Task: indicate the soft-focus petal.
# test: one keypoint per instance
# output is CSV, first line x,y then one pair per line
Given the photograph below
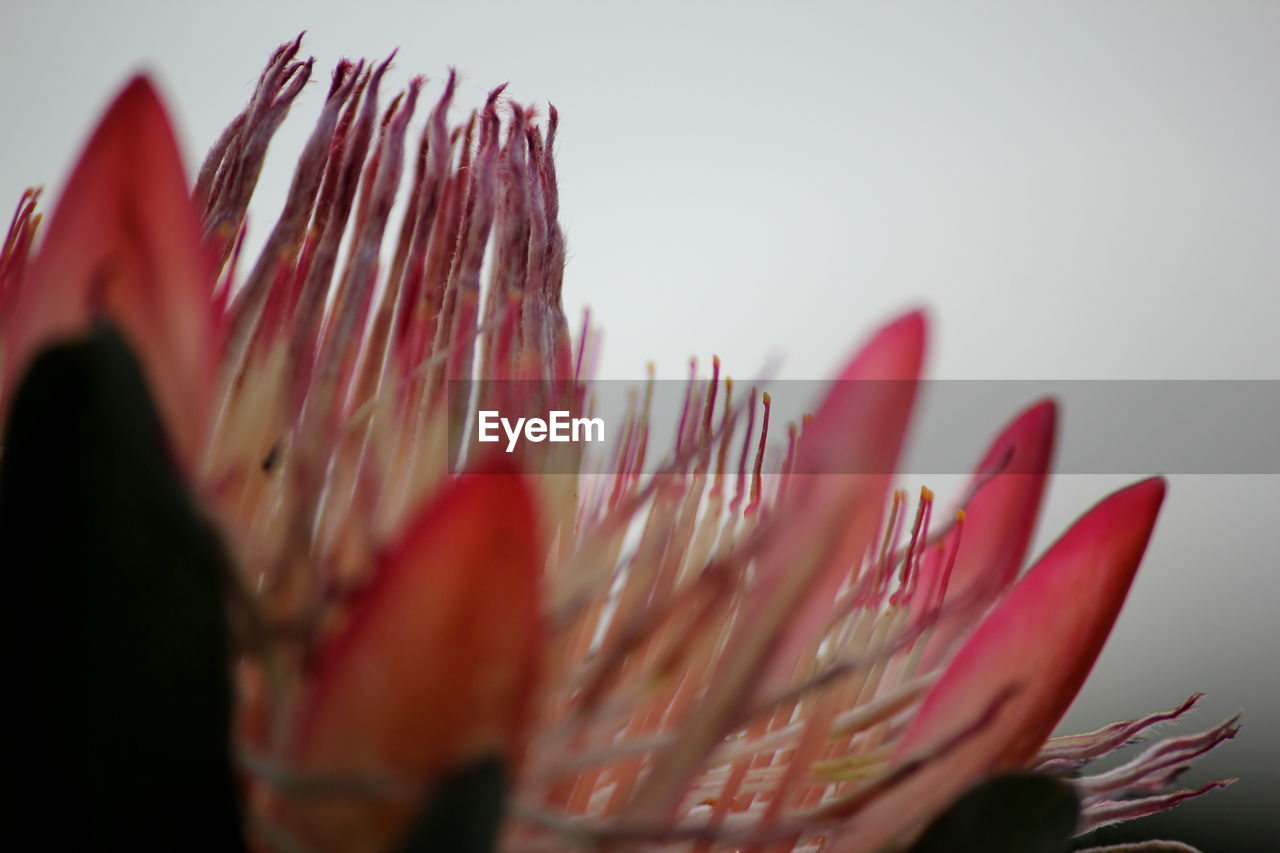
x,y
1042,640
843,470
843,437
123,245
437,663
831,514
1000,518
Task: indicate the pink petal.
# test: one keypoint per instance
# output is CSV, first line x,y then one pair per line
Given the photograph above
x,y
844,465
1042,639
436,666
123,244
843,437
1000,519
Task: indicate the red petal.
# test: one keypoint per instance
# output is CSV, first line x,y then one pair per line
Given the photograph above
x,y
124,243
1042,639
436,666
1000,518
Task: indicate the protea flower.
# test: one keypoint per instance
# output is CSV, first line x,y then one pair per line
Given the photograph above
x,y
719,655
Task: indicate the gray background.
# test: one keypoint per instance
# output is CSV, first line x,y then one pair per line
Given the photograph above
x,y
1076,191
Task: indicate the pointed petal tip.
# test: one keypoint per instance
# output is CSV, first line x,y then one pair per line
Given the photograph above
x,y
137,101
1134,508
1043,413
139,85
124,241
893,352
911,327
918,317
1152,489
1025,445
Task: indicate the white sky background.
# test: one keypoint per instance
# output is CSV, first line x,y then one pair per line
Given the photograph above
x,y
1090,190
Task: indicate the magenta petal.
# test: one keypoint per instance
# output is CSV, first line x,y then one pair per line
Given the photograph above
x,y
1000,518
845,464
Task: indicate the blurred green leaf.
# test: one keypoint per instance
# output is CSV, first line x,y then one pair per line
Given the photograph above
x,y
1015,813
115,657
463,814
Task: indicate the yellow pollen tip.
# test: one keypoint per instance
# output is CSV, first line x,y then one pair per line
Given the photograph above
x,y
926,494
960,516
765,398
